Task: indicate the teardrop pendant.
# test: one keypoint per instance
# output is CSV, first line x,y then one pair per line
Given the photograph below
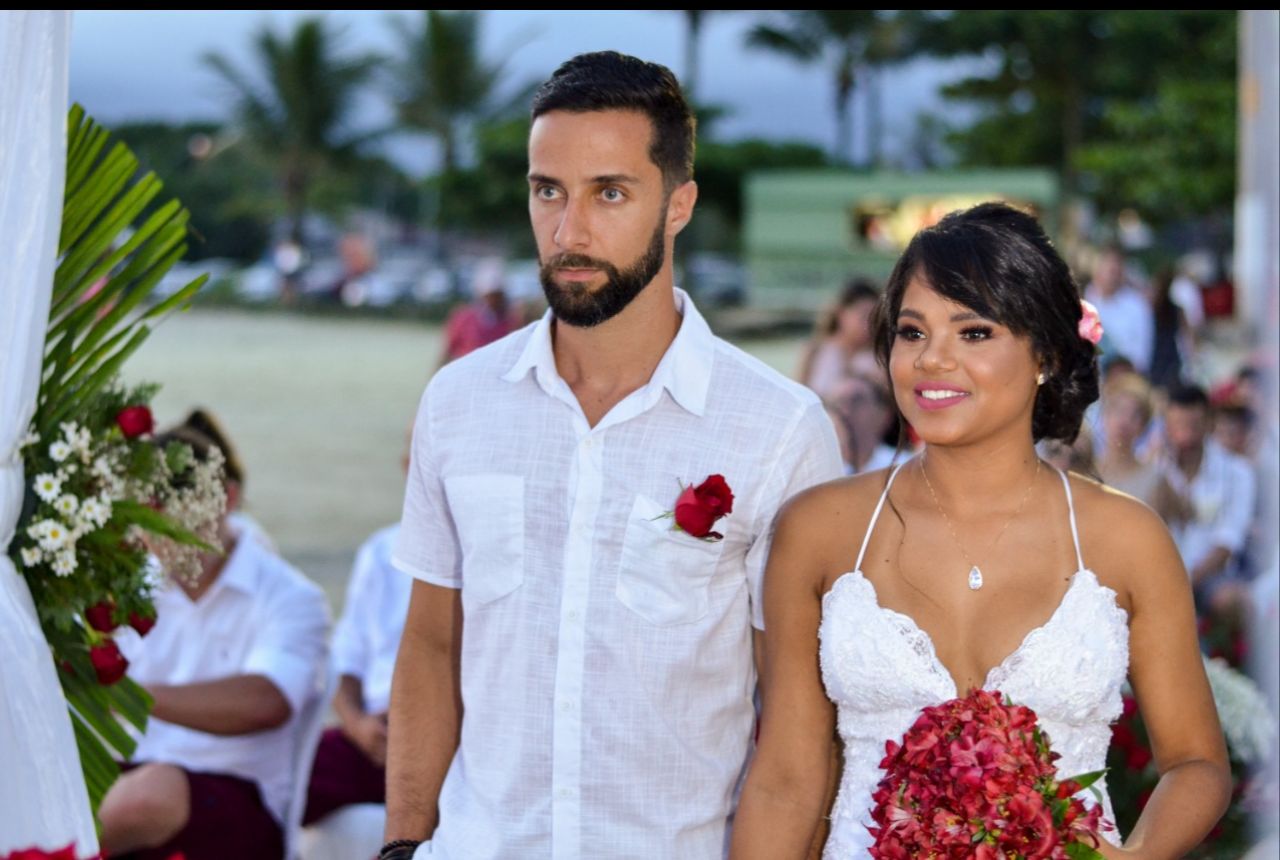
x,y
975,578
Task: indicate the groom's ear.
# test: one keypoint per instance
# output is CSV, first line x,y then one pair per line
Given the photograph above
x,y
680,206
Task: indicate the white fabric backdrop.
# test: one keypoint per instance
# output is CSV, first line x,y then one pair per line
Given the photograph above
x,y
43,802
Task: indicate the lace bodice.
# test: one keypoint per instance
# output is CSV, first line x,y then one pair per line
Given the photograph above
x,y
881,669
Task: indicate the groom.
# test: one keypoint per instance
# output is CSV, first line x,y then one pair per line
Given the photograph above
x,y
575,678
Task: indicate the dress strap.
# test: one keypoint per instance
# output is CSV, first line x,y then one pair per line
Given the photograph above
x,y
866,539
1071,513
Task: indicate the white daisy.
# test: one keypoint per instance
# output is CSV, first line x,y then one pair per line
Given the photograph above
x,y
48,487
53,535
59,451
31,556
81,442
67,505
65,564
96,511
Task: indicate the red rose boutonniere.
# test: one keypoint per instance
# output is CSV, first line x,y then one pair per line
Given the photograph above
x,y
698,508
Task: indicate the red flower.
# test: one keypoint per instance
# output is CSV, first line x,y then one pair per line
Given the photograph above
x,y
108,662
135,421
68,853
99,616
699,507
974,777
142,623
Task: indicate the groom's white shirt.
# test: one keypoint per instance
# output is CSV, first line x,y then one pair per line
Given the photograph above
x,y
607,673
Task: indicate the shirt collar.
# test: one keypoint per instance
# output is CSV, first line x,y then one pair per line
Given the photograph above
x,y
240,571
684,371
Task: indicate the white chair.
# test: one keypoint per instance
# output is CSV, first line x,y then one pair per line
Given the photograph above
x,y
306,740
350,833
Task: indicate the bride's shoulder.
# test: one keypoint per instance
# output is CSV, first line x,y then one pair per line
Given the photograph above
x,y
1122,535
830,513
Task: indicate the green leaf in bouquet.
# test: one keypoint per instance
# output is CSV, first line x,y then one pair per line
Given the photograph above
x,y
178,457
74,398
138,262
1082,851
155,522
1089,780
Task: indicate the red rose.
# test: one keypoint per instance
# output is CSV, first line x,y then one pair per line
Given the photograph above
x,y
99,616
108,662
142,623
699,507
135,421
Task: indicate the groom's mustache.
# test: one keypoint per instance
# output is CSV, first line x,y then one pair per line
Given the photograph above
x,y
575,261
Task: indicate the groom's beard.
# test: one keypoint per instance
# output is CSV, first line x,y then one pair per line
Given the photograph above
x,y
578,305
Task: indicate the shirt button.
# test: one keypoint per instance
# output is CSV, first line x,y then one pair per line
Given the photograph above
x,y
566,792
573,614
566,705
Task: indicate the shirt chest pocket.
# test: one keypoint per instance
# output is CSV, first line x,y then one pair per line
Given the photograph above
x,y
488,512
664,575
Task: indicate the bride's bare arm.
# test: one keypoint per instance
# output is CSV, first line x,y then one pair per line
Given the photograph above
x,y
787,789
1167,674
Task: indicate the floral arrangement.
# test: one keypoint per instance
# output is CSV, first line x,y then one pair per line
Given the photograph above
x,y
97,485
98,488
975,777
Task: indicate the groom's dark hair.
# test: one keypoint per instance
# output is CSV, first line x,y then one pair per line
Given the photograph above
x,y
607,80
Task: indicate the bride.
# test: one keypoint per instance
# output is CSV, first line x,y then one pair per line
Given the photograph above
x,y
974,564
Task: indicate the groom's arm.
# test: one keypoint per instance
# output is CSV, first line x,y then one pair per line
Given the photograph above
x,y
426,711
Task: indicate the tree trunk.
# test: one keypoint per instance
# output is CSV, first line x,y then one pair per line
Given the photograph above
x,y
844,118
692,35
875,126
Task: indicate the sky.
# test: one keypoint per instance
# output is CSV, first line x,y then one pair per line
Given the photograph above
x,y
130,66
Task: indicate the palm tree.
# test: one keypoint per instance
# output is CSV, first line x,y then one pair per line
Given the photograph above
x,y
441,84
300,117
810,35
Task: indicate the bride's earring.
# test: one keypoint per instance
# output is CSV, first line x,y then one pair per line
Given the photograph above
x,y
1040,378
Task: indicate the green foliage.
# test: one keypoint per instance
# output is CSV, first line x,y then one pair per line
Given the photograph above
x,y
1171,157
227,186
117,242
1131,96
442,85
98,316
299,120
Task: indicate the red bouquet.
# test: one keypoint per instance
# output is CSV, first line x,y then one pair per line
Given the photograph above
x,y
974,777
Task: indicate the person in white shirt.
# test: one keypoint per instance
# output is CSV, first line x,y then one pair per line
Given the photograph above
x,y
233,657
575,678
1216,486
350,765
1125,312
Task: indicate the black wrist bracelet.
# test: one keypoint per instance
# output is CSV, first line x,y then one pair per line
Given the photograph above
x,y
399,849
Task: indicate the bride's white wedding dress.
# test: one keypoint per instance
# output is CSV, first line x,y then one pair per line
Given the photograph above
x,y
881,669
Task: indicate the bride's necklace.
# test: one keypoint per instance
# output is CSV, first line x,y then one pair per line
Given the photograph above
x,y
975,573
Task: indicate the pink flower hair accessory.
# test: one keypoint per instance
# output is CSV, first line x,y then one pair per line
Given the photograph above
x,y
1090,325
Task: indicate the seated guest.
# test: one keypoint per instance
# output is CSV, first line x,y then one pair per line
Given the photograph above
x,y
1216,486
862,410
237,649
350,763
1126,413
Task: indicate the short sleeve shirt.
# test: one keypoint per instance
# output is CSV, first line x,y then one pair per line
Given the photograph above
x,y
607,676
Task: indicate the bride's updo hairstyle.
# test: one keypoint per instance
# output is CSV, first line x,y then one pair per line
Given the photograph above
x,y
998,262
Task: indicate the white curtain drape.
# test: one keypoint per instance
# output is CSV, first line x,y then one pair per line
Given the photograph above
x,y
43,802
